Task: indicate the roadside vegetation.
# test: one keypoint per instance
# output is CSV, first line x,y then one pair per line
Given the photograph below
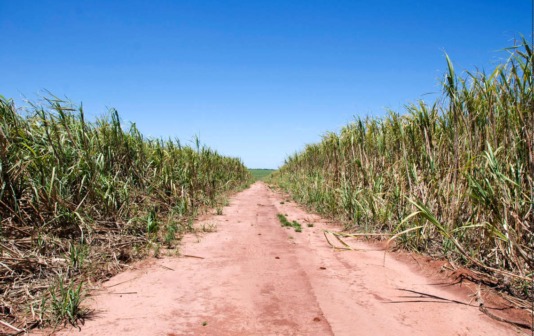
x,y
261,174
453,179
79,200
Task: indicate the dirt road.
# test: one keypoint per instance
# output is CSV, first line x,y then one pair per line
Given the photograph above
x,y
254,277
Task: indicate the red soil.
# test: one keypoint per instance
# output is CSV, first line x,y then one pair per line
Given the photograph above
x,y
254,277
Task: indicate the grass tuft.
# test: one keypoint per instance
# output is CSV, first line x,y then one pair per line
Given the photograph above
x,y
286,223
66,302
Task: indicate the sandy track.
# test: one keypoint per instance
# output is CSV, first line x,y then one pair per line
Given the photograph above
x,y
257,278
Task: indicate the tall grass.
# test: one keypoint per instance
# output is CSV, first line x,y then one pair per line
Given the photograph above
x,y
460,169
79,198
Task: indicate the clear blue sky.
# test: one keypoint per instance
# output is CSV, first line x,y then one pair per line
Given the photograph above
x,y
253,79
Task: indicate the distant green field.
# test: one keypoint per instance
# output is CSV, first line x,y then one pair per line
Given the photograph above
x,y
260,174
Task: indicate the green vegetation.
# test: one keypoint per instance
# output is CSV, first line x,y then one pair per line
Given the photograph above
x,y
285,223
79,199
260,174
66,303
453,179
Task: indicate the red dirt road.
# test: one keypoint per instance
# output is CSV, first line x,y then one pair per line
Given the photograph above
x,y
255,277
